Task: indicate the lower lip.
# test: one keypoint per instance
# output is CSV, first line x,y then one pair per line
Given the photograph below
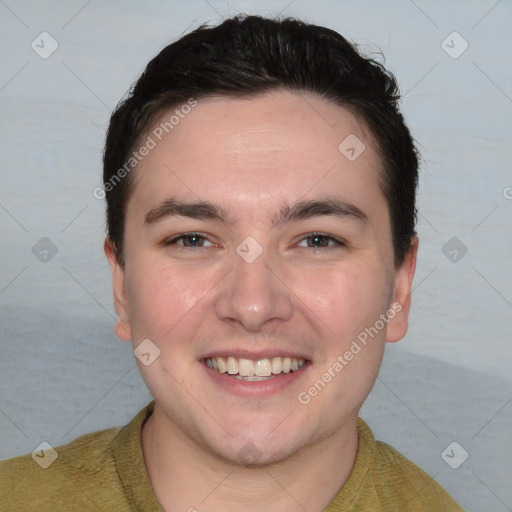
x,y
255,388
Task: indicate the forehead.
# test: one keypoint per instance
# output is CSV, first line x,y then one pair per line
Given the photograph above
x,y
257,151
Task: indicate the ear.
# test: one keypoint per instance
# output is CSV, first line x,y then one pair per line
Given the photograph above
x,y
122,328
401,303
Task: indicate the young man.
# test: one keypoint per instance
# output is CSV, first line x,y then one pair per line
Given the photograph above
x,y
260,185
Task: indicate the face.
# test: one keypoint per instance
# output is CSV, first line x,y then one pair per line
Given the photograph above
x,y
254,245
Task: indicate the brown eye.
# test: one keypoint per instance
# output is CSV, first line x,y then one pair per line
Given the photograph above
x,y
321,241
189,240
193,240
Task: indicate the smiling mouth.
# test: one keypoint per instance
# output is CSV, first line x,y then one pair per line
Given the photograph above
x,y
251,370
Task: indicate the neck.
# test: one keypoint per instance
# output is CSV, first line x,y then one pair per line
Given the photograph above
x,y
186,477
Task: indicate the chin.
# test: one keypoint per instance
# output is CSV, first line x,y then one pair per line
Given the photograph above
x,y
252,455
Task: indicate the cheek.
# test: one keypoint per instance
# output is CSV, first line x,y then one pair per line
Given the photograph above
x,y
345,300
161,297
347,303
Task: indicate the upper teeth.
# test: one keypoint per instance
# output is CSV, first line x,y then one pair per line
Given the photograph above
x,y
249,368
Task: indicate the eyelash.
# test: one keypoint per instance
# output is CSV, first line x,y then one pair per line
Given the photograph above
x,y
173,241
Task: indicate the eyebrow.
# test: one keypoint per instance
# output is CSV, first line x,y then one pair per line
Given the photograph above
x,y
300,210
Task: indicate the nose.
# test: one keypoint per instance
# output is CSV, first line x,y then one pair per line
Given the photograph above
x,y
254,294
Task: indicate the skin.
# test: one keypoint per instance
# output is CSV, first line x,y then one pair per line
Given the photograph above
x,y
251,156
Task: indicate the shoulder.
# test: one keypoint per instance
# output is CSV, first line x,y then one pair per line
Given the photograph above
x,y
401,483
60,478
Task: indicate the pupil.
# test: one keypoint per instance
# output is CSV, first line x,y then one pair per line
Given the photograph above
x,y
317,239
191,239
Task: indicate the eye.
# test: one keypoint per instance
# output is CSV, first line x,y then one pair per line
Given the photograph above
x,y
322,241
190,241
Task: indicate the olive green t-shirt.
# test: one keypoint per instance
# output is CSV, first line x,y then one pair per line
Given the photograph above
x,y
105,471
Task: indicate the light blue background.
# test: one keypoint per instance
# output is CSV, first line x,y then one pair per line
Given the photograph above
x,y
62,371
